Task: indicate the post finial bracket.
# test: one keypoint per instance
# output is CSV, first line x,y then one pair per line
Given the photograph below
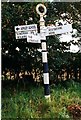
x,y
38,9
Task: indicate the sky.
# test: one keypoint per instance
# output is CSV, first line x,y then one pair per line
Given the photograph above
x,y
68,37
64,0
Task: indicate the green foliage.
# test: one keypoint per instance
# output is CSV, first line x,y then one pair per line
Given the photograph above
x,y
32,104
14,14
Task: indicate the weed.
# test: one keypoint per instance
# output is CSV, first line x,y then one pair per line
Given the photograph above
x,y
32,104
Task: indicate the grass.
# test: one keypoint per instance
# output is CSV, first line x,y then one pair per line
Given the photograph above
x,y
30,103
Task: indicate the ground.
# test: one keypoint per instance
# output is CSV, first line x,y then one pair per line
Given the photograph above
x,y
30,102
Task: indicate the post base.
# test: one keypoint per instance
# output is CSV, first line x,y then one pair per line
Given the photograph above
x,y
48,99
47,96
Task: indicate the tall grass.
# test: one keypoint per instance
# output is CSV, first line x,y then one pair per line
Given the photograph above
x,y
30,103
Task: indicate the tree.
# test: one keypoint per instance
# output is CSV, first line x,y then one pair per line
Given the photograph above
x,y
14,14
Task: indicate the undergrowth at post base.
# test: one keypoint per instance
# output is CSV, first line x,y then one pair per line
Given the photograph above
x,y
30,103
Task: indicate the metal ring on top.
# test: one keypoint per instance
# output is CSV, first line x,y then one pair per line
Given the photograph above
x,y
37,9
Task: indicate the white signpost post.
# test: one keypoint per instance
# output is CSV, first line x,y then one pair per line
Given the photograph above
x,y
30,33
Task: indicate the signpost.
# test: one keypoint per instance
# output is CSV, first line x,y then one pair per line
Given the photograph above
x,y
30,33
54,30
22,30
44,51
33,38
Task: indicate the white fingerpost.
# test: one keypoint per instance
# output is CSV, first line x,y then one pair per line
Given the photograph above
x,y
30,32
44,50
